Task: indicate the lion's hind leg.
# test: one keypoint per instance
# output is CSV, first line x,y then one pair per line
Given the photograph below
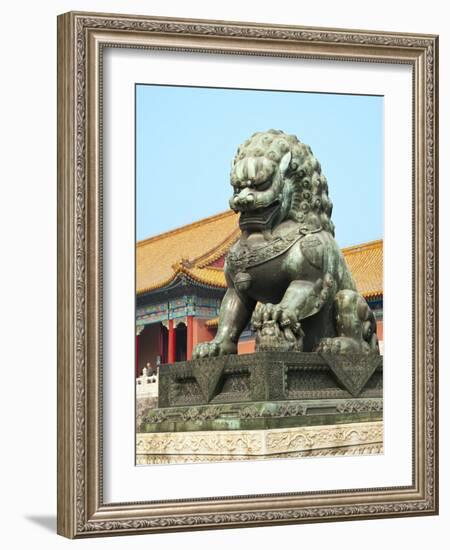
x,y
355,326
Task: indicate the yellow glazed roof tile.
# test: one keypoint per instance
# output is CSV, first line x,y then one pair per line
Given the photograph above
x,y
211,276
157,256
366,264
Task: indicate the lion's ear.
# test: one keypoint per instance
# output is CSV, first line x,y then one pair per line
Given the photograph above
x,y
284,163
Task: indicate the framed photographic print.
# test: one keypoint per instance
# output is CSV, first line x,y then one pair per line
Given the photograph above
x,y
247,279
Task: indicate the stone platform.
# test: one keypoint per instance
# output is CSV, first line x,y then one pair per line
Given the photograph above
x,y
352,439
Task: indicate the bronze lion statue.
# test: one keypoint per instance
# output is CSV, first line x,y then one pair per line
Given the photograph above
x,y
286,274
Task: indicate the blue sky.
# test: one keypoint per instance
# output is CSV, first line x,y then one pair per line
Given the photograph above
x,y
186,138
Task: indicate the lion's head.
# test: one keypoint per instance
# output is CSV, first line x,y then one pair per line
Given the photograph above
x,y
276,177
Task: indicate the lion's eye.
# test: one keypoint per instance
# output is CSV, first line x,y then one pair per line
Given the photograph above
x,y
264,185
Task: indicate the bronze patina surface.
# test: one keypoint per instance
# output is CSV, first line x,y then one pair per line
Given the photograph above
x,y
262,415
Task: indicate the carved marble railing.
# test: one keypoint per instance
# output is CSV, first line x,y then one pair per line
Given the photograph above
x,y
147,384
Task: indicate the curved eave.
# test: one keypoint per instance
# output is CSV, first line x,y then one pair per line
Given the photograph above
x,y
203,284
157,286
373,294
213,277
192,274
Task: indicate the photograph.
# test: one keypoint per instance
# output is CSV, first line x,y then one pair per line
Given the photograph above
x,y
259,275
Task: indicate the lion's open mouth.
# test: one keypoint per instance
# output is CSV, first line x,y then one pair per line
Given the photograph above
x,y
259,218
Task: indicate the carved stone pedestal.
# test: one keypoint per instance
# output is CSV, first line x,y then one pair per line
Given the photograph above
x,y
270,376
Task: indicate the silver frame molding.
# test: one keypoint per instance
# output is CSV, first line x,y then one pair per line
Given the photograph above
x,y
81,37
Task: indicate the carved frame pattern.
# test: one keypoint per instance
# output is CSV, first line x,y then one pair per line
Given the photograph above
x,y
81,36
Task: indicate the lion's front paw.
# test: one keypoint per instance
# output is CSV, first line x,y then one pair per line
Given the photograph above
x,y
213,349
277,327
284,316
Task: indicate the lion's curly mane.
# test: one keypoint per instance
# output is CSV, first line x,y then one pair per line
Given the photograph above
x,y
309,199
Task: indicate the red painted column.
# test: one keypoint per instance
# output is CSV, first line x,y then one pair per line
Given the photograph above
x,y
190,336
161,343
172,343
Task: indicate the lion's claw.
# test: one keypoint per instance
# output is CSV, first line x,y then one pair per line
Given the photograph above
x,y
213,349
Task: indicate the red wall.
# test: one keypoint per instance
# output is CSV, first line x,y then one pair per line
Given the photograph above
x,y
247,346
380,330
201,332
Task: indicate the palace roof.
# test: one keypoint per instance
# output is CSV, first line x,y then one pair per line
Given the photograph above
x,y
196,251
186,250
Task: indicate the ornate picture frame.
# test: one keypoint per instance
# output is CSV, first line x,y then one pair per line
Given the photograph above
x,y
82,38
